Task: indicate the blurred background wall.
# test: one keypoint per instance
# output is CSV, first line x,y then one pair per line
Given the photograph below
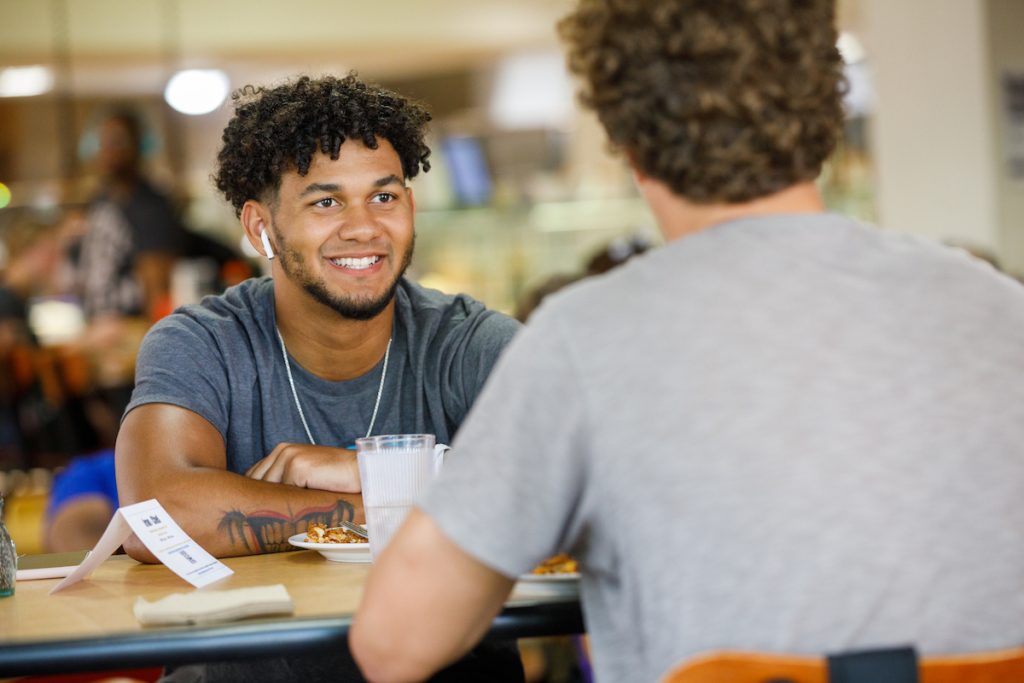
x,y
523,186
948,125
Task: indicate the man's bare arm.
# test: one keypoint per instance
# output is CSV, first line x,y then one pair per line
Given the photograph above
x,y
78,523
426,604
176,456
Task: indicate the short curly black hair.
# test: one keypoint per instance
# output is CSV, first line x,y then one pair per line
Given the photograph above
x,y
281,128
722,100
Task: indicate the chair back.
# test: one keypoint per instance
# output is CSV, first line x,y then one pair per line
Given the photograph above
x,y
1002,666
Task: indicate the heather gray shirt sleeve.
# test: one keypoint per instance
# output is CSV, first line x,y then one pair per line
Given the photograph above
x,y
470,355
179,364
518,462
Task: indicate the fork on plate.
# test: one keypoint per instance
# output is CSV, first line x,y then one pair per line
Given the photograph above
x,y
357,529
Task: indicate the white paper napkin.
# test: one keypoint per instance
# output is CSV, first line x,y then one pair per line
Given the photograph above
x,y
209,607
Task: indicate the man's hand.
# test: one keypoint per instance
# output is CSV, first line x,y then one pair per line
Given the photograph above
x,y
426,603
311,467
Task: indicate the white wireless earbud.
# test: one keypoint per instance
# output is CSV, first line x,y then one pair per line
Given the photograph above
x,y
266,245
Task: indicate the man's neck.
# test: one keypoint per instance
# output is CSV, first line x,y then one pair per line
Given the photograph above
x,y
678,216
329,346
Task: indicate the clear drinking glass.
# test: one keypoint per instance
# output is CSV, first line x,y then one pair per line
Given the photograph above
x,y
395,470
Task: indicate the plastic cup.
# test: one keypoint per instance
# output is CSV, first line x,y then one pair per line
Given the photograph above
x,y
395,470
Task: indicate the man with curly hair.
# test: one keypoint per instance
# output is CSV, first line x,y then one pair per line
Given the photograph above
x,y
247,405
783,430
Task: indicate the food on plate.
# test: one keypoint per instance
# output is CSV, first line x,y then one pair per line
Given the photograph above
x,y
559,564
318,533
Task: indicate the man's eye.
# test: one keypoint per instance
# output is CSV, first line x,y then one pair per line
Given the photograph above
x,y
326,202
384,197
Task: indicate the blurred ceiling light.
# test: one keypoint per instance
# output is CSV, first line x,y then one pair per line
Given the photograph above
x,y
25,81
850,48
55,321
859,99
532,90
860,92
197,91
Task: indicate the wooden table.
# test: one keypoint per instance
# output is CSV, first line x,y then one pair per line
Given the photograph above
x,y
91,626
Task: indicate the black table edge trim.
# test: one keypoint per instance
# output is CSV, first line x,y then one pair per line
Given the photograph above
x,y
255,639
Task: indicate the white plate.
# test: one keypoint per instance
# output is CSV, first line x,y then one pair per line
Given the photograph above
x,y
546,585
335,552
561,577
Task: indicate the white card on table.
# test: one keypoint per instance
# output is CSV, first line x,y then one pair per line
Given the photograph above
x,y
162,536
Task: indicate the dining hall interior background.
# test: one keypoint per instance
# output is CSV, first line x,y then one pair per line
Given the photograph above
x,y
523,192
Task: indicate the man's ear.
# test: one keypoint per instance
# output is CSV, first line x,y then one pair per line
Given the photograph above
x,y
639,177
255,218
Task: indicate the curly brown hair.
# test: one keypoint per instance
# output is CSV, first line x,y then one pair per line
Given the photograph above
x,y
722,100
281,128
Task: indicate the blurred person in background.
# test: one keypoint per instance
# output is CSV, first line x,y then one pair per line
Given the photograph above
x,y
533,297
122,254
783,430
30,253
80,503
247,405
45,418
615,253
32,256
42,421
133,234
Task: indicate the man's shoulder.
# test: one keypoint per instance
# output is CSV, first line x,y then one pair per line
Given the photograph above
x,y
437,321
606,298
418,298
245,306
425,305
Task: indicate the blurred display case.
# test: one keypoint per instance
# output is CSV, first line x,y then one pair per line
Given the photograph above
x,y
499,254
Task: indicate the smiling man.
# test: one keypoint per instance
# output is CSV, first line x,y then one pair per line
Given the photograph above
x,y
247,404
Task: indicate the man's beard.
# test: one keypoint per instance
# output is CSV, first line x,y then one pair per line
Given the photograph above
x,y
351,308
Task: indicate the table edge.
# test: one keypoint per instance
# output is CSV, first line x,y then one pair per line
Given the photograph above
x,y
245,640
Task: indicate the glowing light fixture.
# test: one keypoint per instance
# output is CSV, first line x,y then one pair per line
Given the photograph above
x,y
197,91
5,196
55,321
532,90
850,48
860,94
25,81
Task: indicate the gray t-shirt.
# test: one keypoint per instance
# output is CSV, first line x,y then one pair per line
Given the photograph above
x,y
792,433
221,359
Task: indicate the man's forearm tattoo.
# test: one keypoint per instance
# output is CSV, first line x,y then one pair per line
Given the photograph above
x,y
267,531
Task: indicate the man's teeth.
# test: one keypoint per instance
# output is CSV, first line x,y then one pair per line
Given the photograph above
x,y
356,263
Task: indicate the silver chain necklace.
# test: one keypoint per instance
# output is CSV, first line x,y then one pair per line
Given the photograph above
x,y
295,394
